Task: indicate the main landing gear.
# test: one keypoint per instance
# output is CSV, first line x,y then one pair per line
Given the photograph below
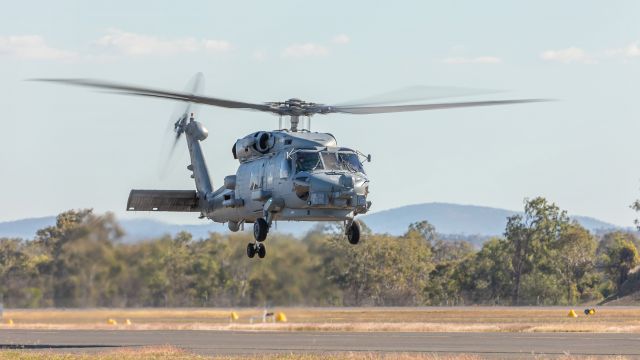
x,y
352,231
260,231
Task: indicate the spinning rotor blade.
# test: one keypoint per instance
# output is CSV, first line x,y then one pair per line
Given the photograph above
x,y
158,93
421,107
296,107
417,93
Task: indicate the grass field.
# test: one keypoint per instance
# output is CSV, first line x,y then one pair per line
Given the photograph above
x,y
429,319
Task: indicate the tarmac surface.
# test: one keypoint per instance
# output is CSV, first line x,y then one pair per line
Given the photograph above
x,y
494,345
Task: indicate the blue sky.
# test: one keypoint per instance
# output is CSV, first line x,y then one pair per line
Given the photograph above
x,y
66,147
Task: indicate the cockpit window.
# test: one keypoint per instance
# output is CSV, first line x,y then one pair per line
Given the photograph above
x,y
325,160
350,162
330,161
308,161
341,161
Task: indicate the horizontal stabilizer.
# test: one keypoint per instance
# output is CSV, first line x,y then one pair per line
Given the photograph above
x,y
163,200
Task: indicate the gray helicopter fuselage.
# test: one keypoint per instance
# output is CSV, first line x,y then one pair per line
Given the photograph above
x,y
299,176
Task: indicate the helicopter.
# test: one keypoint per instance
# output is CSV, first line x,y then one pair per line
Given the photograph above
x,y
289,174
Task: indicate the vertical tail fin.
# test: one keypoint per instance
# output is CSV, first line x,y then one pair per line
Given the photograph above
x,y
196,132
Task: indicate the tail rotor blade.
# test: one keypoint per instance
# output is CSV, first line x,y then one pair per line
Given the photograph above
x,y
178,120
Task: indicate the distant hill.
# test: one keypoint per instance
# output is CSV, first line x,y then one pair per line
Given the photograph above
x,y
457,219
25,228
450,219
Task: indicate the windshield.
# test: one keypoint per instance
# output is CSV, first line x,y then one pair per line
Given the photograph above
x,y
342,161
324,160
351,162
308,161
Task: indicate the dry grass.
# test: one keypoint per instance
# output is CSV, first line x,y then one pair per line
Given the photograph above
x,y
168,352
431,319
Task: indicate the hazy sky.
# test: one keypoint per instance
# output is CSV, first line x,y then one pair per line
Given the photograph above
x,y
64,147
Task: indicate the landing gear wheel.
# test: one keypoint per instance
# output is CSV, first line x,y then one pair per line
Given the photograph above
x,y
260,229
353,233
251,250
262,251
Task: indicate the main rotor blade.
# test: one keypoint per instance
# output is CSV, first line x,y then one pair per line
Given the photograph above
x,y
421,107
158,93
417,93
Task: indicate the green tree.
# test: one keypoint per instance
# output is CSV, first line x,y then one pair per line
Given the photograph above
x,y
422,229
205,265
486,278
576,254
80,260
286,276
444,287
531,237
380,270
618,257
15,273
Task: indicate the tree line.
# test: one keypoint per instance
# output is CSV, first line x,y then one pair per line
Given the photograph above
x,y
543,258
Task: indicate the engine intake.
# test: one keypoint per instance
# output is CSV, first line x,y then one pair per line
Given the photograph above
x,y
254,146
264,142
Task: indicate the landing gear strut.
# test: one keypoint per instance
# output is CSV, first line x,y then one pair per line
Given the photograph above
x,y
353,232
260,231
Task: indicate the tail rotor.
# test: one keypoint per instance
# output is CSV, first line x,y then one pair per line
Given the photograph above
x,y
179,119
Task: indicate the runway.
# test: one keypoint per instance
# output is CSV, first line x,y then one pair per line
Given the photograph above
x,y
502,345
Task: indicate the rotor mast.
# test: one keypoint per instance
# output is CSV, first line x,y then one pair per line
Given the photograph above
x,y
295,119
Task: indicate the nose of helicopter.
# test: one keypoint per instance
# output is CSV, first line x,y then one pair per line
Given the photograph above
x,y
337,182
336,190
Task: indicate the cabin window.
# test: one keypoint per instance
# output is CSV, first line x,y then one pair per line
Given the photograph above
x,y
256,178
285,168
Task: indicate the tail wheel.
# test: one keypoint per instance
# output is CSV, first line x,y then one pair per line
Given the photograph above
x,y
353,233
251,250
262,251
260,229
